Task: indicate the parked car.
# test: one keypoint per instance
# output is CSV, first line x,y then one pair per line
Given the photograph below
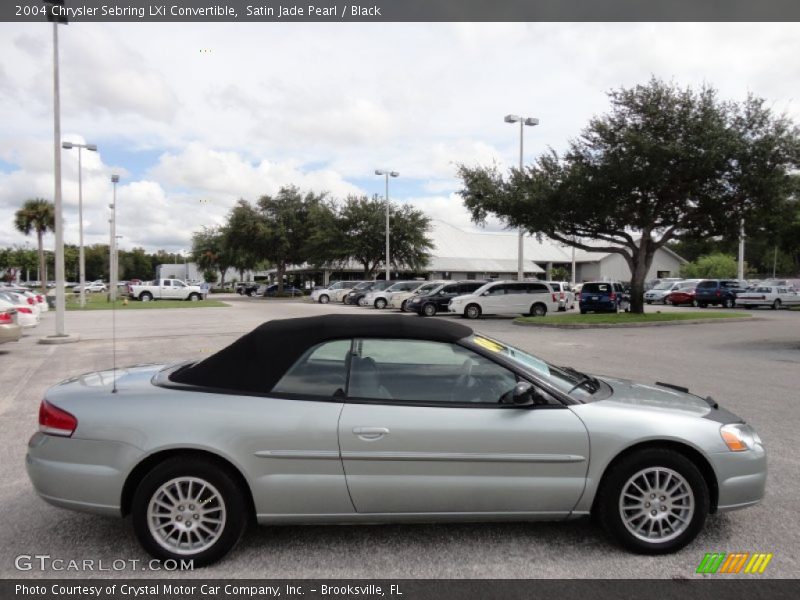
x,y
649,285
773,296
682,296
91,286
271,290
247,288
380,298
166,289
719,291
341,293
400,299
32,298
566,297
659,293
507,298
603,296
372,418
357,295
323,295
438,299
27,315
10,330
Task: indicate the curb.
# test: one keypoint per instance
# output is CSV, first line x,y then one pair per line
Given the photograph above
x,y
627,325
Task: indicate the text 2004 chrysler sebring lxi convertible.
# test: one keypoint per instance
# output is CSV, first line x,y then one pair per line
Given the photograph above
x,y
384,418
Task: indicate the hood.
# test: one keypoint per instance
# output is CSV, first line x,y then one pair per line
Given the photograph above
x,y
655,398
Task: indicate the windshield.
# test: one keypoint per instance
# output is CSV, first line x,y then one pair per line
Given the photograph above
x,y
424,289
381,285
434,289
664,285
562,378
362,285
338,285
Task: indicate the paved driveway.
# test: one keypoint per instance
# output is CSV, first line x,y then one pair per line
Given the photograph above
x,y
753,368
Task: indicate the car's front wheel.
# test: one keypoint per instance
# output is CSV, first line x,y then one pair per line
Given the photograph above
x,y
776,305
324,299
189,509
654,501
429,310
473,311
380,303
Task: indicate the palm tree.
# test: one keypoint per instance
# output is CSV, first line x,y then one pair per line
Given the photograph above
x,y
37,215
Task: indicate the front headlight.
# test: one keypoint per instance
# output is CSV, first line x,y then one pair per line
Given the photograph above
x,y
739,437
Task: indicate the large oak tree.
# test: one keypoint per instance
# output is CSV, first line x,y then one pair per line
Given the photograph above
x,y
664,163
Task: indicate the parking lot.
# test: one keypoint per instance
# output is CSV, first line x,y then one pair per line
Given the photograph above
x,y
750,367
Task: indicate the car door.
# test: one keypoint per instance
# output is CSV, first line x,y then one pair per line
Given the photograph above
x,y
493,299
423,431
444,295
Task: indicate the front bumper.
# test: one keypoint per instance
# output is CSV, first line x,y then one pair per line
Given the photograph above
x,y
741,476
83,475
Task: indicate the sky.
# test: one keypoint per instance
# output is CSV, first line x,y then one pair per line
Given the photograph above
x,y
193,117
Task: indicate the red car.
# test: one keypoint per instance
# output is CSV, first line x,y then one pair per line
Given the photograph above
x,y
681,296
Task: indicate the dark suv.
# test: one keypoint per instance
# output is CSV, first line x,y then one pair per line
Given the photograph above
x,y
603,296
439,298
718,291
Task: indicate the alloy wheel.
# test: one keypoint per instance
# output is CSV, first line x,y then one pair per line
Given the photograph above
x,y
656,504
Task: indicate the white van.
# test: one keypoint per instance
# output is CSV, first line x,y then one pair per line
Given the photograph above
x,y
507,298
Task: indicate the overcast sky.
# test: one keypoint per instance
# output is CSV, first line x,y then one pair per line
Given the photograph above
x,y
194,116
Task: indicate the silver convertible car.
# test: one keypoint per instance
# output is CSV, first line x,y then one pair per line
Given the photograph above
x,y
363,419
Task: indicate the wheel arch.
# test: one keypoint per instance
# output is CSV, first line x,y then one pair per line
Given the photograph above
x,y
148,463
694,455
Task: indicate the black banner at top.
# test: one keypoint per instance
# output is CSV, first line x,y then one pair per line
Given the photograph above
x,y
382,11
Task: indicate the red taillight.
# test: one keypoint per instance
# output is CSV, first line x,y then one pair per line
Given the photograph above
x,y
39,299
561,295
719,293
5,318
555,297
25,310
55,421
30,300
613,296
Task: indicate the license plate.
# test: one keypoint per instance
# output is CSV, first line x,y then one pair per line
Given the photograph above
x,y
595,297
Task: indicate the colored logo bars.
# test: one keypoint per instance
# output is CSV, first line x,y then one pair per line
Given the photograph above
x,y
737,562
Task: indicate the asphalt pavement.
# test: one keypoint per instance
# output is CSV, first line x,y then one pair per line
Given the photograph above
x,y
751,368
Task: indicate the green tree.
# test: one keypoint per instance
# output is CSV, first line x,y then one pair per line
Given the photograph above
x,y
210,275
663,164
211,250
712,266
37,215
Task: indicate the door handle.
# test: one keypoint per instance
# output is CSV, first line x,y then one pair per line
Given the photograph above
x,y
370,433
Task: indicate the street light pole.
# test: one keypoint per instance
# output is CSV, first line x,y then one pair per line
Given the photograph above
x,y
59,254
740,272
81,255
112,265
531,122
387,174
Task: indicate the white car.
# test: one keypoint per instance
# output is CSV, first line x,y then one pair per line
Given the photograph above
x,y
325,295
774,296
398,300
566,297
535,298
26,314
381,298
91,286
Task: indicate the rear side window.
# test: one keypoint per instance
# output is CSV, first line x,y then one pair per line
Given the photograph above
x,y
707,284
516,288
321,371
468,288
537,288
450,289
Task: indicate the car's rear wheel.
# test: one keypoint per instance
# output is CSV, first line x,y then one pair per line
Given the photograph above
x,y
380,303
694,303
777,304
538,310
403,306
324,299
146,297
472,311
194,297
728,303
429,310
701,304
189,509
653,501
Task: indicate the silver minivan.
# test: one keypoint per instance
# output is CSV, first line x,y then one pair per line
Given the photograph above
x,y
535,298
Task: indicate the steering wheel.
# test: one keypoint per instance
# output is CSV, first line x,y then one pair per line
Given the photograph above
x,y
464,383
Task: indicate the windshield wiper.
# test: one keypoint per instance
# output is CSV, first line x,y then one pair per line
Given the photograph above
x,y
583,379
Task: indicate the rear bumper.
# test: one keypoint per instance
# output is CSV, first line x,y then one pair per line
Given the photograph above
x,y
741,477
10,332
83,475
598,306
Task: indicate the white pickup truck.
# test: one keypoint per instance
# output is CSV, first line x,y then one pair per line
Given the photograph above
x,y
165,289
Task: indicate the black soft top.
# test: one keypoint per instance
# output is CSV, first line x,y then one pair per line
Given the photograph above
x,y
257,360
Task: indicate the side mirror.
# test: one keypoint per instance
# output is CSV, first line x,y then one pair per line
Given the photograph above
x,y
523,394
485,294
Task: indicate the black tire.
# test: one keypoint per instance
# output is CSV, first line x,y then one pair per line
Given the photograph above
x,y
429,310
702,304
607,504
194,297
403,306
472,311
583,311
251,293
233,502
538,310
777,304
380,303
324,299
694,303
145,296
727,303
